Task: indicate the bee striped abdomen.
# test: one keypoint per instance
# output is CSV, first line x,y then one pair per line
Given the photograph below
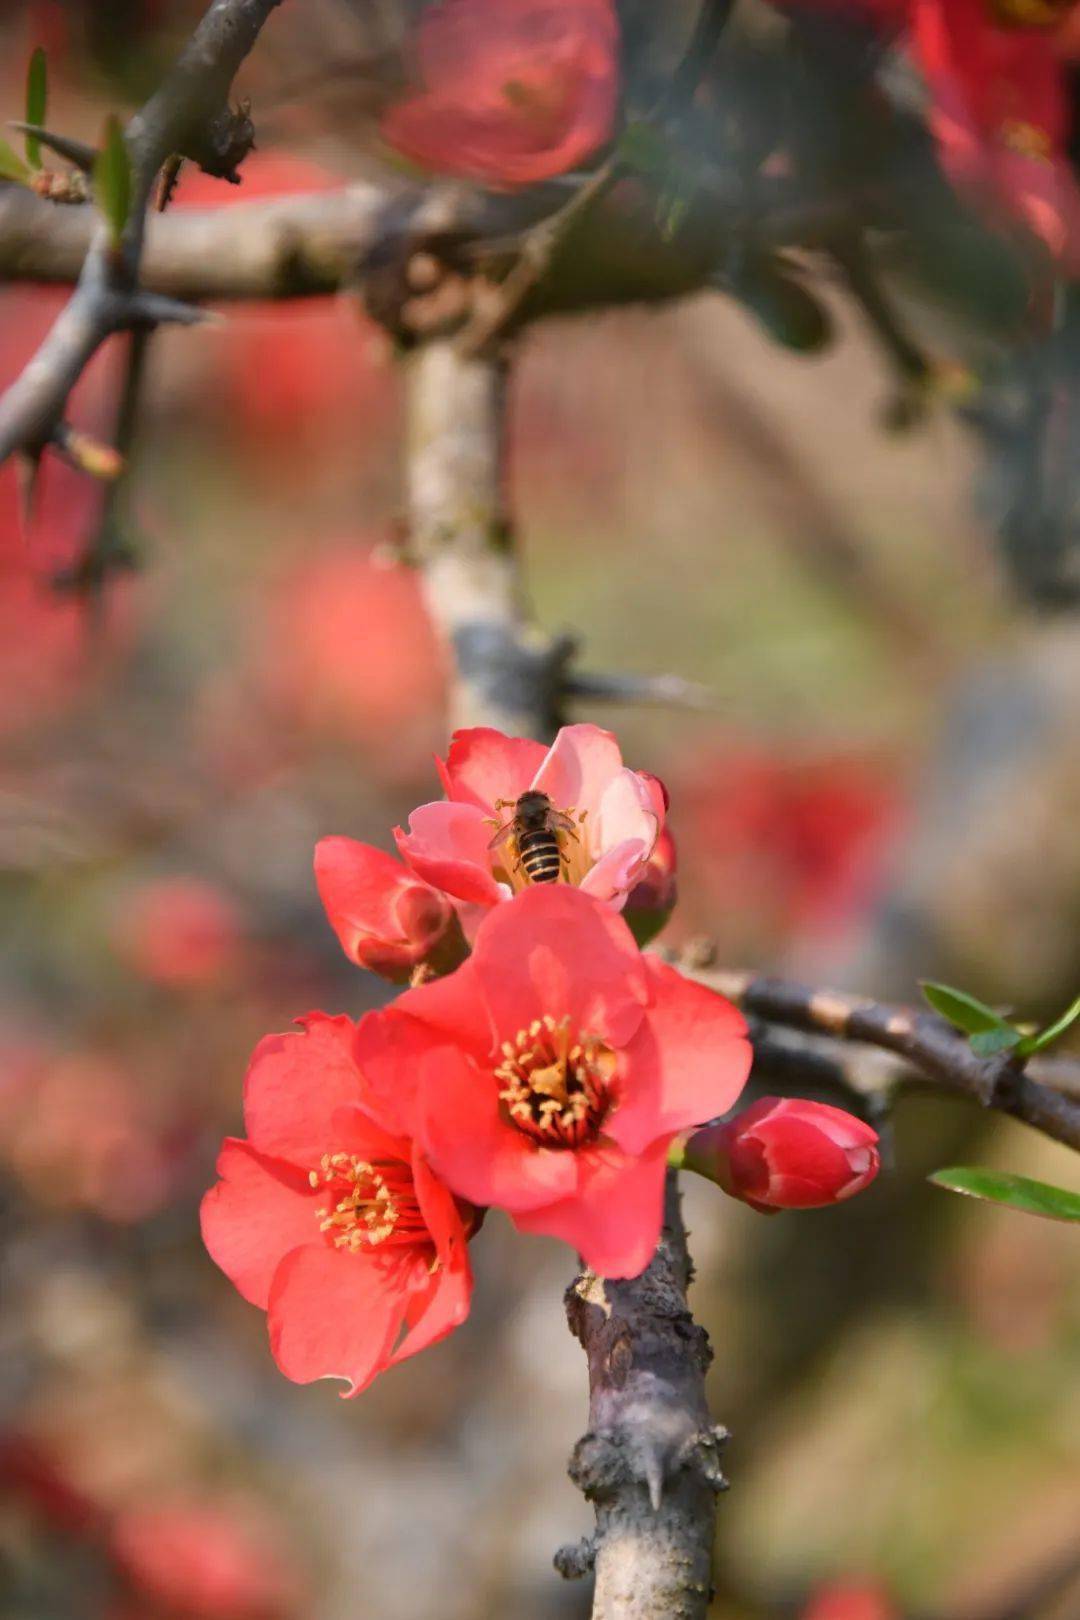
x,y
539,855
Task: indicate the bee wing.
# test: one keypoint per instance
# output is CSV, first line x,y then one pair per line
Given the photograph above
x,y
563,822
504,834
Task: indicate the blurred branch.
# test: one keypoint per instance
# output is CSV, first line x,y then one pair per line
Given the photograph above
x,y
650,1460
187,114
1050,1103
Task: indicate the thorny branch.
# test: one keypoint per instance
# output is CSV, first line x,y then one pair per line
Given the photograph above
x,y
1048,1098
188,114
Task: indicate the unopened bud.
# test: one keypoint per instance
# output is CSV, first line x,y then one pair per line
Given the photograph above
x,y
387,919
787,1153
652,899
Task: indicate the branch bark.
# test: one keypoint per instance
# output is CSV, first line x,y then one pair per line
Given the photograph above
x,y
1047,1099
650,1460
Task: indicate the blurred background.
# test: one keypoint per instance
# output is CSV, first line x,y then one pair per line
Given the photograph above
x,y
887,787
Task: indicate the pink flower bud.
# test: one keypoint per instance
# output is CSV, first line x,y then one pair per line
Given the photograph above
x,y
652,899
387,919
787,1153
851,1600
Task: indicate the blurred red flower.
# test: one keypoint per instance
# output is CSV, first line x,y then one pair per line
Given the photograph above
x,y
550,1073
515,91
179,932
331,1221
851,1600
188,1560
296,373
787,1153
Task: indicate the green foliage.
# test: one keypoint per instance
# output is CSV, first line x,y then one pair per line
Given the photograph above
x,y
37,102
112,178
12,166
989,1031
1015,1192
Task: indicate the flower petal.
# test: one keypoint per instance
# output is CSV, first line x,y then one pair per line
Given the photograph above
x,y
337,1315
294,1085
436,1310
555,950
687,1063
616,872
257,1213
453,1006
475,1151
614,1219
448,844
627,810
579,766
483,765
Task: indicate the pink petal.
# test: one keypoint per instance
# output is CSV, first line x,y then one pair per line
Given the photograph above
x,y
448,845
553,950
436,1310
258,1212
473,1149
483,765
686,1064
580,765
616,872
615,1218
294,1085
336,1315
626,811
451,1008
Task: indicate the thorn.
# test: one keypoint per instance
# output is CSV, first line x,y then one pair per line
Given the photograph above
x,y
665,690
154,309
87,454
72,151
654,1479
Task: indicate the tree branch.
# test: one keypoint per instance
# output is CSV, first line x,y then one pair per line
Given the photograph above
x,y
188,114
1048,1099
650,1461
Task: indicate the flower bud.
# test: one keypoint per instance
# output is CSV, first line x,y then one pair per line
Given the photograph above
x,y
851,1600
787,1153
387,919
652,899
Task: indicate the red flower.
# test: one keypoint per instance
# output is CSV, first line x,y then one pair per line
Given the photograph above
x,y
516,91
192,1559
851,1600
386,919
179,932
549,1074
1001,110
331,1222
607,818
786,1153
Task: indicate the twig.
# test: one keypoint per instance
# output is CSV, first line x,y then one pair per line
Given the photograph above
x,y
187,114
1048,1103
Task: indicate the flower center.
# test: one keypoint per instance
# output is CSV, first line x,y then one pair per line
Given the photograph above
x,y
1027,139
556,1084
368,1204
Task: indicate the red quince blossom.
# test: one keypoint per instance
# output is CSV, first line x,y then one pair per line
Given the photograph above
x,y
616,816
387,919
514,92
1001,111
179,932
550,1073
851,1600
330,1220
787,1153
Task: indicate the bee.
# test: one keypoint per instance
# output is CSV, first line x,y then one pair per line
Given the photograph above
x,y
535,827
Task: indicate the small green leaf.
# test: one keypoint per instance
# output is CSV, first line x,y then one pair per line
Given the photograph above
x,y
12,166
989,1042
37,103
965,1012
644,148
1015,1192
112,178
1046,1037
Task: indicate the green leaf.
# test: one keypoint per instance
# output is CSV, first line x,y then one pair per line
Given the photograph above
x,y
112,178
645,148
12,166
1015,1192
989,1042
37,102
1046,1037
965,1012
